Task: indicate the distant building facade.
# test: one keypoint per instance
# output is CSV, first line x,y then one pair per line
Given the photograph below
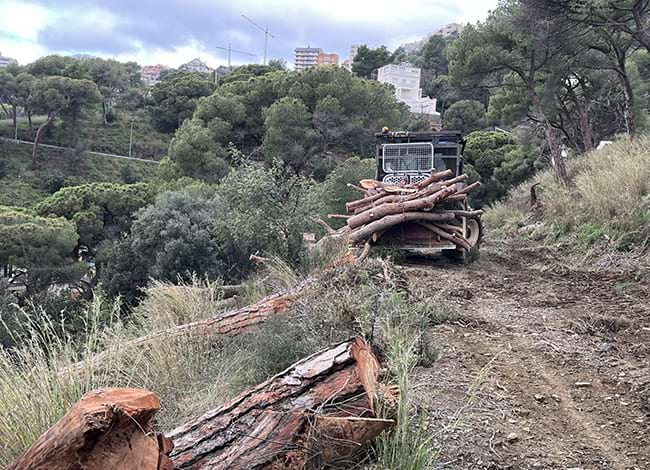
x,y
451,29
328,59
195,65
405,78
150,74
306,57
4,61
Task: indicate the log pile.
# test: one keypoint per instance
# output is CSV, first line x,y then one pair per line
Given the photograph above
x,y
425,203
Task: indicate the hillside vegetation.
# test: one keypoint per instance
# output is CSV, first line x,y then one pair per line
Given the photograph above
x,y
24,187
607,202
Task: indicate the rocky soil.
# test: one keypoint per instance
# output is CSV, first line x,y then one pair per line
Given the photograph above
x,y
548,367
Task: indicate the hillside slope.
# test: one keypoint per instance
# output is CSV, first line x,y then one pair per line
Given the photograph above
x,y
23,187
606,206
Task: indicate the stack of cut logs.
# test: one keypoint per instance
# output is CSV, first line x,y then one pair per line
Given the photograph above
x,y
384,206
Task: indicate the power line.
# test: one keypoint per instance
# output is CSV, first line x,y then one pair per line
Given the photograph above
x,y
266,32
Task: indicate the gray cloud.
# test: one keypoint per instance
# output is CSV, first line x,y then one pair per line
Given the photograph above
x,y
167,24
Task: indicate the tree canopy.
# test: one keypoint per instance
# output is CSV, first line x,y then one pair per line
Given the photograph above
x,y
174,99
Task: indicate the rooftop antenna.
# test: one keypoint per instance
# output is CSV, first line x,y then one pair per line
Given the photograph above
x,y
230,49
266,32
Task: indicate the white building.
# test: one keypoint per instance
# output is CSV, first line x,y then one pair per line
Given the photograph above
x,y
406,80
4,61
306,57
195,65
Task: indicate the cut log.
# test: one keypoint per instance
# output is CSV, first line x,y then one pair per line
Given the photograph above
x,y
318,412
459,213
351,206
384,210
450,228
365,232
358,188
469,187
106,429
432,178
227,324
458,240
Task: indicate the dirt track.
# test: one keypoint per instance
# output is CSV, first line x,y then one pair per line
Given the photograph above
x,y
549,366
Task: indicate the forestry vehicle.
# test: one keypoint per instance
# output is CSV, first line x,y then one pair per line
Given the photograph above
x,y
406,158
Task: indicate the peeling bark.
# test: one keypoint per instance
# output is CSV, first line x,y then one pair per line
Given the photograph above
x,y
318,411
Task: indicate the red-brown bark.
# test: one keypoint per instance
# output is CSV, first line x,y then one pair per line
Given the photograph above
x,y
106,429
318,411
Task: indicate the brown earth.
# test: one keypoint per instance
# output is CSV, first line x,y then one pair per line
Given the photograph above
x,y
549,366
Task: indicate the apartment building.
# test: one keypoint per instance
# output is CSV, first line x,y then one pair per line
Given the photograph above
x,y
150,74
405,78
306,57
328,59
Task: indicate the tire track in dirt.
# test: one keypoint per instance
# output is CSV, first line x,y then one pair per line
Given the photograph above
x,y
539,330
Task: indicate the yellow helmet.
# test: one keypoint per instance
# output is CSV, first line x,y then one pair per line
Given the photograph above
x,y
384,129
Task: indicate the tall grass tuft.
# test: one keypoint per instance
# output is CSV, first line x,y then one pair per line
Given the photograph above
x,y
409,445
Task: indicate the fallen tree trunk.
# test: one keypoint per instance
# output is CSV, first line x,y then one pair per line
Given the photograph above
x,y
320,411
106,429
362,233
228,324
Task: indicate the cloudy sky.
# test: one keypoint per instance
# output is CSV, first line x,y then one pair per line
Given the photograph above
x,y
172,32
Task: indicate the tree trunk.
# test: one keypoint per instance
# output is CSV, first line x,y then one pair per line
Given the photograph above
x,y
319,412
15,117
37,139
104,120
628,110
550,134
108,429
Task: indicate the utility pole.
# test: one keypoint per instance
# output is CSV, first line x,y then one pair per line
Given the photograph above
x,y
131,137
266,32
229,49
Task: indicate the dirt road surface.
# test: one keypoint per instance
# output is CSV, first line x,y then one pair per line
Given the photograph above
x,y
548,367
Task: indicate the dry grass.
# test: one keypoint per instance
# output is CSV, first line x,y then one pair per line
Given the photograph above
x,y
609,194
195,373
